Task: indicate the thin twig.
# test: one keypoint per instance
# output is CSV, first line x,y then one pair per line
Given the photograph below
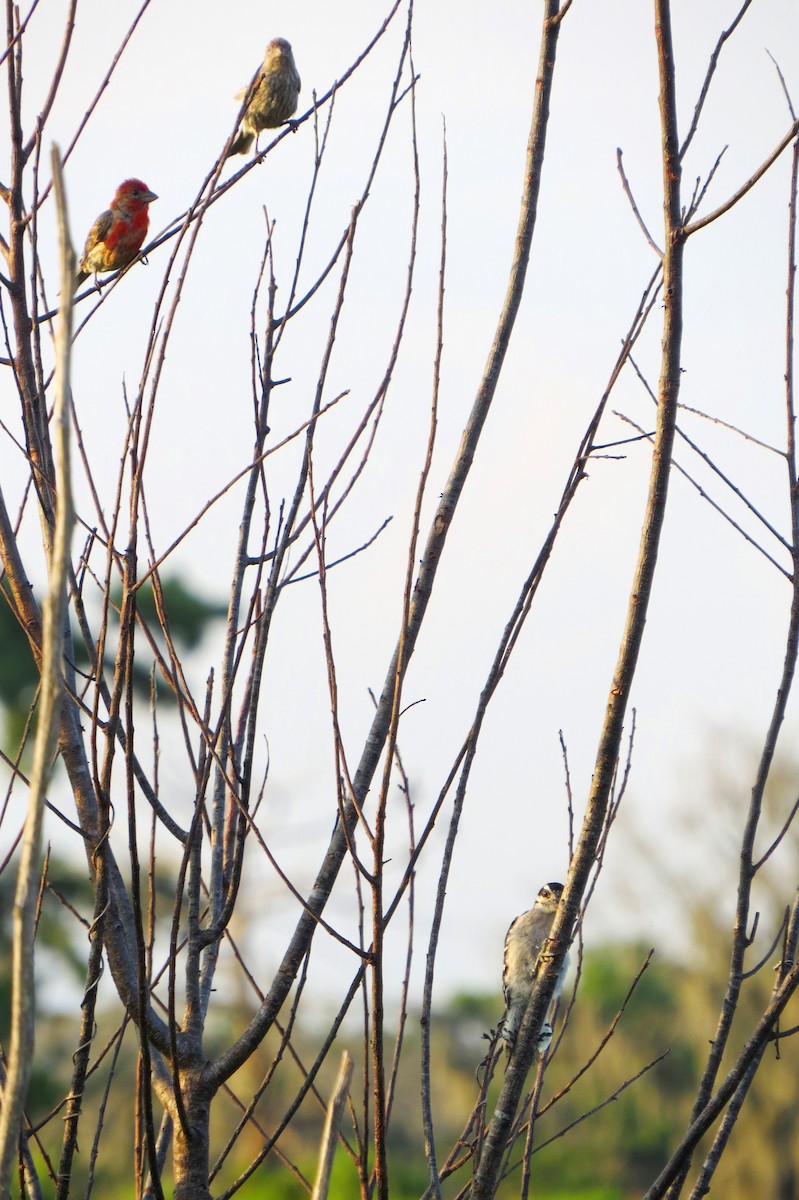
x,y
695,226
332,1124
487,1174
628,193
22,993
713,504
711,69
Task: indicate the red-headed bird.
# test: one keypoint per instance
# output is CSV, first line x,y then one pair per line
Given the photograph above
x,y
274,99
117,235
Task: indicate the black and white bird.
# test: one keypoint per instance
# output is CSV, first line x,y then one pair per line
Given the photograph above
x,y
523,945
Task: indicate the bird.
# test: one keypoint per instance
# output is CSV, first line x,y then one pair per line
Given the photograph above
x,y
117,235
274,100
524,943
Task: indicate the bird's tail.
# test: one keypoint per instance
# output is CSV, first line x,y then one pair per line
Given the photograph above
x,y
81,278
241,144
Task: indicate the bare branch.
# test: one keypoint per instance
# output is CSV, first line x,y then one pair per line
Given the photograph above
x,y
22,993
713,63
707,1114
695,226
713,504
332,1123
486,1176
628,193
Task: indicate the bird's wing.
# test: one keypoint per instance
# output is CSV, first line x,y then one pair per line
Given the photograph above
x,y
540,925
505,957
251,87
99,229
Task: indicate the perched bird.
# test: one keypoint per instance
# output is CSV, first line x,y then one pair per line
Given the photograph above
x,y
274,99
117,235
523,945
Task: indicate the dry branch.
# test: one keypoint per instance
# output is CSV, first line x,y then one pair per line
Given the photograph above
x,y
20,1053
335,1112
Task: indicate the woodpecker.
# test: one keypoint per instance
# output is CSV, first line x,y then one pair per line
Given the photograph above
x,y
524,943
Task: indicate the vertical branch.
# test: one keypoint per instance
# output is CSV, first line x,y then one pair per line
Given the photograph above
x,y
332,1123
702,1185
680,1161
489,1169
376,1047
405,789
34,413
272,340
441,523
462,765
671,1175
381,1114
229,661
127,628
427,1109
22,996
74,1107
126,654
524,1190
790,310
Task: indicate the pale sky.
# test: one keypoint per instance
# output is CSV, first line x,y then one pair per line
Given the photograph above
x,y
713,646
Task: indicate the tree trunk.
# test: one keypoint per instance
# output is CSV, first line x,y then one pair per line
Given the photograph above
x,y
191,1149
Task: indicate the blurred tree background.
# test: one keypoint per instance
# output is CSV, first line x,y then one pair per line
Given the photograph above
x,y
617,1136
190,616
611,1154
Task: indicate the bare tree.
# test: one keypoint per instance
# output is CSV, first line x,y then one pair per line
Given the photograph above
x,y
166,966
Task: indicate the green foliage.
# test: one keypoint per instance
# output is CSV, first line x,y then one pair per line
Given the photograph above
x,y
615,1153
612,1154
19,674
188,615
606,980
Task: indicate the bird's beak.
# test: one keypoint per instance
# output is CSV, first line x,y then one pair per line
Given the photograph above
x,y
148,197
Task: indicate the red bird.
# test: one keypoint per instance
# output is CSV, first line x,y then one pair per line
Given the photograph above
x,y
117,235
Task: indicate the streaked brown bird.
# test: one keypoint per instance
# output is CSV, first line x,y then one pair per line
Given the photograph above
x,y
274,99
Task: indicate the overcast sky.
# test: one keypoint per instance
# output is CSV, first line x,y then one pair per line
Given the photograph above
x,y
713,646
